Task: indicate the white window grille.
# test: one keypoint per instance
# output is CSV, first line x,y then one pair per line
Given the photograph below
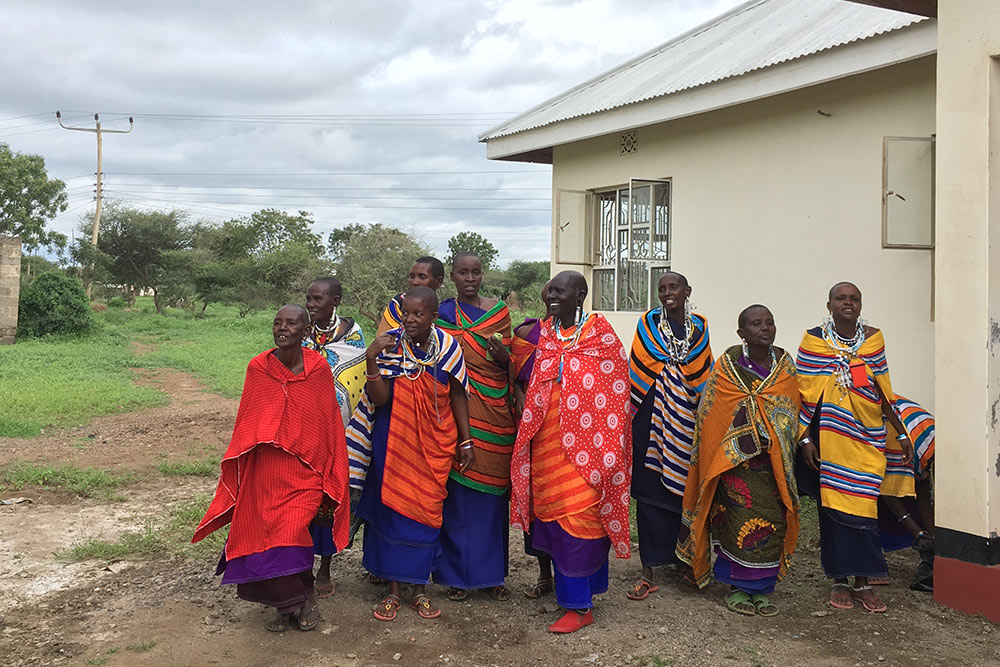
x,y
632,244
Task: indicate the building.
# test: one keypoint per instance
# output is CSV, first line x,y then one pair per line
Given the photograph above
x,y
785,146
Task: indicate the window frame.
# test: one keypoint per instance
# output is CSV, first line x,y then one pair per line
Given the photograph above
x,y
616,266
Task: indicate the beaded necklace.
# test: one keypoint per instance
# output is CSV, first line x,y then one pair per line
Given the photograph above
x,y
845,349
333,327
571,339
413,367
677,349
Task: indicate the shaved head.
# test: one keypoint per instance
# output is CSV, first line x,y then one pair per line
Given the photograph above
x,y
423,294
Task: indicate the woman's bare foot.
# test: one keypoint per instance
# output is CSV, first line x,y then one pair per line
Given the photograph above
x,y
280,623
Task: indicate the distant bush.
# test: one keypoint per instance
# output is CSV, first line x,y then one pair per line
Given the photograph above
x,y
53,303
117,303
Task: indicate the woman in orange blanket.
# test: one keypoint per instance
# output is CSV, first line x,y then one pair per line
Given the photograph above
x,y
287,457
570,470
416,407
740,498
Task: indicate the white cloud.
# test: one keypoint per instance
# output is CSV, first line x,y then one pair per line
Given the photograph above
x,y
320,58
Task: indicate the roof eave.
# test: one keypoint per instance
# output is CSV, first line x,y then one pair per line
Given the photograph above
x,y
891,48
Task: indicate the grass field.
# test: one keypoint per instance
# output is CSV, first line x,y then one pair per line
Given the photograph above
x,y
67,382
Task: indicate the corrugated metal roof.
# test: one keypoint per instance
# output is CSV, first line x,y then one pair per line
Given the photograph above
x,y
755,35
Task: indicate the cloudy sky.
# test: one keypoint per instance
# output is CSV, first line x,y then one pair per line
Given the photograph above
x,y
361,111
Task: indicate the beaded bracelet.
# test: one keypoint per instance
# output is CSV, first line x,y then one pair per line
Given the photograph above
x,y
901,437
373,376
468,444
903,518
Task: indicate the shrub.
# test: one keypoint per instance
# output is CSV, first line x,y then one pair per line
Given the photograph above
x,y
53,303
117,303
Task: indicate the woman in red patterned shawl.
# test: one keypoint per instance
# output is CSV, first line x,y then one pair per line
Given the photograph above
x,y
287,456
571,469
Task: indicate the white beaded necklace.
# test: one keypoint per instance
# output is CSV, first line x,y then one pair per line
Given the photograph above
x,y
845,349
332,327
677,349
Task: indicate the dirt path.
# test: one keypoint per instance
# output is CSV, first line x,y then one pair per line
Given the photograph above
x,y
172,611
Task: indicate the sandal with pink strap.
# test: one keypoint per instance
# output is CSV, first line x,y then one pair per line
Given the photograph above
x,y
386,609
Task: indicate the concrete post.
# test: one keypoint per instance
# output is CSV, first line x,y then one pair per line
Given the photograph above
x,y
10,286
967,345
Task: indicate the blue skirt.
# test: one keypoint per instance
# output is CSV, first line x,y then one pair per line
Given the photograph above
x,y
850,545
396,548
474,539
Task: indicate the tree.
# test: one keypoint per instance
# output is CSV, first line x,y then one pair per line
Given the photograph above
x,y
28,198
374,263
142,248
262,260
521,274
472,242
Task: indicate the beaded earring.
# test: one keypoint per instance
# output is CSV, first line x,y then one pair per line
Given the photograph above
x,y
746,350
827,319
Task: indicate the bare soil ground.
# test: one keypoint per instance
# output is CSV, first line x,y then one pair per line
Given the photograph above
x,y
172,611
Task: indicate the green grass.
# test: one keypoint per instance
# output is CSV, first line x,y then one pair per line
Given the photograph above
x,y
66,382
170,536
141,647
216,347
208,467
85,482
104,658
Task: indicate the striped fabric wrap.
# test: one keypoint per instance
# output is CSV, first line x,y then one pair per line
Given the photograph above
x,y
522,349
392,316
559,492
677,387
853,434
491,421
390,365
919,426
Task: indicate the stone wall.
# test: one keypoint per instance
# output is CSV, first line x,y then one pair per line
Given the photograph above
x,y
10,284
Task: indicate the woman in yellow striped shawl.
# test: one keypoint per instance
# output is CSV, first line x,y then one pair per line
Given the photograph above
x,y
847,402
670,362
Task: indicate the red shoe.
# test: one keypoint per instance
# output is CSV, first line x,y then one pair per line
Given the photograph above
x,y
572,621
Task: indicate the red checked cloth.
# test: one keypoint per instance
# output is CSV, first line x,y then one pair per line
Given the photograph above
x,y
594,423
297,414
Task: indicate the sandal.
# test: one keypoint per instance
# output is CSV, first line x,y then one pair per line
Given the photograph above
x,y
386,609
324,590
741,603
422,604
500,593
280,623
763,605
841,600
308,619
373,578
539,588
642,589
870,602
878,581
457,594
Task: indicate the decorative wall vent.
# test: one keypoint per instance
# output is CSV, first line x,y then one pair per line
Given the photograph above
x,y
630,142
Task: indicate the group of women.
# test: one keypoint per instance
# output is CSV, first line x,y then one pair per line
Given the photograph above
x,y
459,424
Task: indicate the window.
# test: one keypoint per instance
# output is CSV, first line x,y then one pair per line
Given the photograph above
x,y
632,244
908,192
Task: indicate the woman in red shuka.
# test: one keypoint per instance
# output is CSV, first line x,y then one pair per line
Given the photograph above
x,y
287,457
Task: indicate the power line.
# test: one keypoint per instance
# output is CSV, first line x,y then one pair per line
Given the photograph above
x,y
330,173
357,206
314,187
287,196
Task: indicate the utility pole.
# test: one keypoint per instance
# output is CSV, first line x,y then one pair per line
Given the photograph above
x,y
97,212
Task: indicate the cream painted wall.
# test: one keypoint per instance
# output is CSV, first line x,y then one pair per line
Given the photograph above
x,y
968,273
774,203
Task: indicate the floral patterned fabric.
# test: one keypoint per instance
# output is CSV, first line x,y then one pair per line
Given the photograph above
x,y
741,493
